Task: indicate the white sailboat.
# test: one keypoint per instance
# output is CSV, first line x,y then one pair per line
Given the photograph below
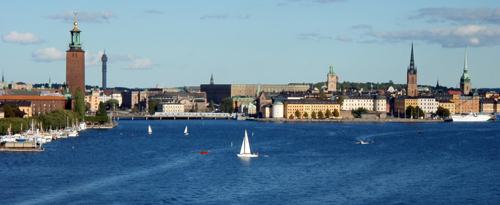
x,y
186,131
245,148
149,129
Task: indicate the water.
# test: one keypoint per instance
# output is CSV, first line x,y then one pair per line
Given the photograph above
x,y
298,163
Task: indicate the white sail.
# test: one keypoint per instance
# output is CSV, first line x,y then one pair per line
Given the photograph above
x,y
245,148
149,129
186,130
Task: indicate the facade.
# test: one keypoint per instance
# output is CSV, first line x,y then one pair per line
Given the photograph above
x,y
400,104
93,98
23,105
448,105
277,110
217,92
465,79
40,104
170,107
20,86
465,104
112,95
104,59
376,103
250,109
411,77
488,106
241,102
309,106
266,111
188,100
332,80
75,62
428,104
131,99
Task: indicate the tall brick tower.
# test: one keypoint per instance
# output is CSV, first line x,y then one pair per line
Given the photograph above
x,y
411,79
75,61
332,80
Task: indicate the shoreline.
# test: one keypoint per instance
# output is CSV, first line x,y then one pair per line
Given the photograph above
x,y
343,120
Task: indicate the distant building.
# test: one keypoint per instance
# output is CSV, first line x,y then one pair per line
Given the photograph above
x,y
23,105
309,106
75,62
332,80
411,77
188,100
266,111
20,86
465,79
93,99
170,107
448,105
428,104
488,106
104,59
278,110
41,104
376,103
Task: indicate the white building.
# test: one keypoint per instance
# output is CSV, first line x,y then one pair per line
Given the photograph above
x,y
428,104
371,103
170,107
115,96
277,110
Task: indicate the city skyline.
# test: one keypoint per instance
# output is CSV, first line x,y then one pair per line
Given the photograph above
x,y
246,42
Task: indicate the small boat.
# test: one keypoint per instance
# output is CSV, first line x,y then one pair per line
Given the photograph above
x,y
363,142
149,129
186,131
205,152
245,148
419,132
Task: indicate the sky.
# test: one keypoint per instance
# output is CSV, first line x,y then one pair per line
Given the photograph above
x,y
181,43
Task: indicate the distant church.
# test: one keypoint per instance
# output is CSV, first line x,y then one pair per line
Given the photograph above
x,y
465,79
411,77
75,62
332,80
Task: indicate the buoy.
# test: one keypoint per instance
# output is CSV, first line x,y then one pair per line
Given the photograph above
x,y
121,133
73,147
231,144
132,134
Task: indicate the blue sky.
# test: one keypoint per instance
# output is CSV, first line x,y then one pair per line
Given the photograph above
x,y
178,43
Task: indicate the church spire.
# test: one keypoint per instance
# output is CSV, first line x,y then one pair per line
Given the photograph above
x,y
211,79
465,61
412,69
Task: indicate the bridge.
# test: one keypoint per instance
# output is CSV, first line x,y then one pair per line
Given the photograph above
x,y
173,116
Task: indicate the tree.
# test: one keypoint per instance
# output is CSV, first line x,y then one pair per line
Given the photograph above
x,y
112,102
409,111
340,100
102,110
135,110
297,113
322,95
336,113
357,113
196,107
313,115
212,105
227,105
443,112
306,115
79,104
328,113
321,115
12,111
152,107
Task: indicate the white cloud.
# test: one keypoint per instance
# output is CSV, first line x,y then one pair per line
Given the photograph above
x,y
95,17
344,38
93,59
47,55
448,37
362,26
140,64
22,38
307,36
463,16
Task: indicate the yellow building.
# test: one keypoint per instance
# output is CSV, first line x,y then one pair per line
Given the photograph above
x,y
400,104
309,106
93,99
448,105
488,106
465,104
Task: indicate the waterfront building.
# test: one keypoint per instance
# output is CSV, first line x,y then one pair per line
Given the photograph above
x,y
188,100
104,59
266,111
23,105
411,77
109,94
403,102
217,92
448,105
332,80
303,106
239,103
465,84
250,109
465,104
370,102
131,99
261,101
92,97
75,62
40,103
488,105
277,108
170,107
428,104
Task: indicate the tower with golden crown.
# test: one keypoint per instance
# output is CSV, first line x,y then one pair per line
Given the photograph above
x,y
75,61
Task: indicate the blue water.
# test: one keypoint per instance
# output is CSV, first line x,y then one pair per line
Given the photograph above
x,y
298,163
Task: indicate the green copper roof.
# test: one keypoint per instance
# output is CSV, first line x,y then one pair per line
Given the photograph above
x,y
465,76
277,103
331,73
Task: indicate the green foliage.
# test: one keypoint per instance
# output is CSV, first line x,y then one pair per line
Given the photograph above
x,y
297,114
112,102
58,118
306,115
322,95
196,107
357,113
135,109
227,105
321,115
79,104
212,108
340,100
12,111
16,125
414,112
313,115
336,113
102,110
152,107
443,112
100,119
319,85
328,113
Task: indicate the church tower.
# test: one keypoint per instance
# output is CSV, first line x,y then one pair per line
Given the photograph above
x,y
332,80
465,79
411,89
104,59
75,61
212,79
